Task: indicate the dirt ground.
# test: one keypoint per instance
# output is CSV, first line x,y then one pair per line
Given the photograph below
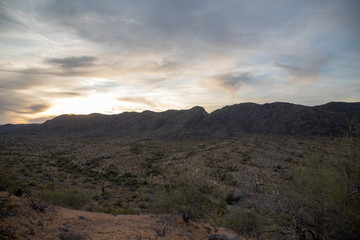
x,y
23,218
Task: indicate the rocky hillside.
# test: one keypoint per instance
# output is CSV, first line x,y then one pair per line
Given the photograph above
x,y
331,119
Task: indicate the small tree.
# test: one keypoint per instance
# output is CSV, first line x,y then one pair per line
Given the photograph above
x,y
322,200
188,196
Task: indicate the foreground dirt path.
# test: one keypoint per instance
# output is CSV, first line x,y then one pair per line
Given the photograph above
x,y
19,220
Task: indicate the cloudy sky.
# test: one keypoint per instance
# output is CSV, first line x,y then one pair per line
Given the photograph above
x,y
84,56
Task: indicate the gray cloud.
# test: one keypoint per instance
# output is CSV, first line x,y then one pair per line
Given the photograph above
x,y
171,43
190,25
8,21
123,22
9,116
18,99
140,100
73,62
68,94
151,66
188,30
32,109
26,78
167,25
304,68
232,81
14,79
32,77
12,102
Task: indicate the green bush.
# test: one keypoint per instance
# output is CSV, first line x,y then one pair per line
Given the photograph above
x,y
136,149
9,181
73,198
6,180
117,210
231,198
187,196
323,197
243,221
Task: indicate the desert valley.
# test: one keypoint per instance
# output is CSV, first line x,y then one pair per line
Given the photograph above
x,y
273,171
180,120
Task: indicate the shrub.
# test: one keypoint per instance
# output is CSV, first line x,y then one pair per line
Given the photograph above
x,y
10,182
71,236
37,204
187,196
243,221
135,149
73,198
323,197
7,180
117,210
231,198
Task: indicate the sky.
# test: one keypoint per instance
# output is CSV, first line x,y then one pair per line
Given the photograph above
x,y
86,56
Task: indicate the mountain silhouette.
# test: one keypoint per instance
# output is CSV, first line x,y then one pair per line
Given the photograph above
x,y
331,119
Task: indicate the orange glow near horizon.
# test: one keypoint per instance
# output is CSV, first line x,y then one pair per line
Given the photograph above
x,y
99,103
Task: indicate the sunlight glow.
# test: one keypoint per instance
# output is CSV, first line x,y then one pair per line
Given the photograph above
x,y
95,103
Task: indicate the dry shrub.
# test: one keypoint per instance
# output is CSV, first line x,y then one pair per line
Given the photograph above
x,y
71,236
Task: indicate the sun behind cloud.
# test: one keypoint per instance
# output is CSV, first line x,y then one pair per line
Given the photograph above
x,y
80,57
97,102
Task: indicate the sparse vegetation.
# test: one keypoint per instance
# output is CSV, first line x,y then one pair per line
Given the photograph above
x,y
71,236
323,198
73,198
288,188
186,195
9,181
244,221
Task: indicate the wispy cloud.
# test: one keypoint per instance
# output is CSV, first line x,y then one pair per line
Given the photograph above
x,y
33,109
67,94
304,68
231,81
19,106
73,62
138,100
173,54
7,18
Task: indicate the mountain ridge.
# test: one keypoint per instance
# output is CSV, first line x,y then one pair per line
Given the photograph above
x,y
279,118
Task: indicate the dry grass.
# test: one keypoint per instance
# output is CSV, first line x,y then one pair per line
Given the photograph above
x,y
67,224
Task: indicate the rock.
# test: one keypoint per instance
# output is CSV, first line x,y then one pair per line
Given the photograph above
x,y
223,237
9,213
40,223
82,218
64,228
18,191
208,229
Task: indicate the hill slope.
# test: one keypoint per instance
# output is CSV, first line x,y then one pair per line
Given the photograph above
x,y
21,221
331,119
